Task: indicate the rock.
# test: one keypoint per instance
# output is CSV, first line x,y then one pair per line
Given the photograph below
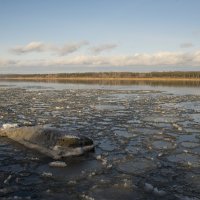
x,y
52,142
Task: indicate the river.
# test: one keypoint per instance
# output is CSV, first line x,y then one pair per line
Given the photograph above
x,y
146,135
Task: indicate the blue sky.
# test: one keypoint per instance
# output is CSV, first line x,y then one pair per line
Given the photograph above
x,y
42,36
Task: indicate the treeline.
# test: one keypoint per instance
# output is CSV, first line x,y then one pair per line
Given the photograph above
x,y
117,75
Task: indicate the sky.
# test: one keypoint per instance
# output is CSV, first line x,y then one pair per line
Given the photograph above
x,y
53,36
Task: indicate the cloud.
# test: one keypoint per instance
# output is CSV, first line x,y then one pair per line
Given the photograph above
x,y
196,33
101,48
41,47
144,59
7,62
186,45
157,59
71,48
31,47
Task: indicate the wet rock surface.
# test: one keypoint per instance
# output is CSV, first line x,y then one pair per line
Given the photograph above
x,y
147,144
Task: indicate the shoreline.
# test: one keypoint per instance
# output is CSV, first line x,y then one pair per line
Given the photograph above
x,y
96,79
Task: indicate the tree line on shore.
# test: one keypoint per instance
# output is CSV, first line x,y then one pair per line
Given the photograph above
x,y
175,74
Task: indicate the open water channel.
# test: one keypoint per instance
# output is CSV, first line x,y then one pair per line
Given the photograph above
x,y
147,139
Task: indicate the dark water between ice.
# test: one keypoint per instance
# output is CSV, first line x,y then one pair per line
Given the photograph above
x,y
147,138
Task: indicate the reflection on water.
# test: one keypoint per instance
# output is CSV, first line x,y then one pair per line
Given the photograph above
x,y
120,82
174,87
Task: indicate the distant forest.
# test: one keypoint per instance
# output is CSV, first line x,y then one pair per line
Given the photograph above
x,y
106,75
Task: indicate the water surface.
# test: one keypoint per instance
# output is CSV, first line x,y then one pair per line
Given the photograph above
x,y
147,140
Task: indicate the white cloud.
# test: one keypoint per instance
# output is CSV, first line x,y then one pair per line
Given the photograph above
x,y
157,59
145,59
31,47
186,45
102,48
70,48
42,47
7,62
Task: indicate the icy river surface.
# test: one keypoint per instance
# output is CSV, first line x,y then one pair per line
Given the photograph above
x,y
147,141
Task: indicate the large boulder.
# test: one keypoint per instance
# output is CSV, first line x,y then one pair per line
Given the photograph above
x,y
52,142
